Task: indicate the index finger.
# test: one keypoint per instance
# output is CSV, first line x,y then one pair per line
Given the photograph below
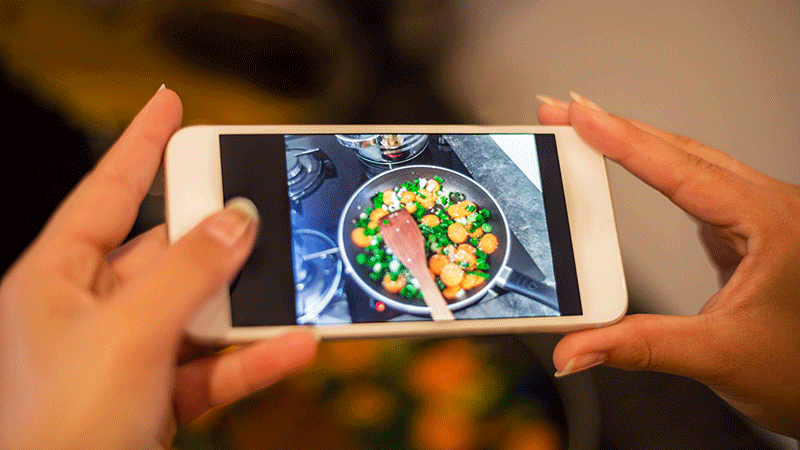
x,y
705,190
555,112
710,154
103,207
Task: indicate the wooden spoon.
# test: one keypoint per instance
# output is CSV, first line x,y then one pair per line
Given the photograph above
x,y
402,235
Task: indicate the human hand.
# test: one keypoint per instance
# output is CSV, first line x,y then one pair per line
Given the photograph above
x,y
93,354
745,341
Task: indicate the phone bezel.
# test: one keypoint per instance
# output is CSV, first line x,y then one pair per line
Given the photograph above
x,y
194,190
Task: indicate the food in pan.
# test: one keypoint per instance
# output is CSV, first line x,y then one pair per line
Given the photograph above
x,y
457,234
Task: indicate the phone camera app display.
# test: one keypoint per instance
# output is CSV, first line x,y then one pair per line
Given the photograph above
x,y
490,229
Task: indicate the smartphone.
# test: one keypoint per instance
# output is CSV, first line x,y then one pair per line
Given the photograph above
x,y
517,228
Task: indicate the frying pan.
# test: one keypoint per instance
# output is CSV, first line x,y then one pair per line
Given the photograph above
x,y
499,273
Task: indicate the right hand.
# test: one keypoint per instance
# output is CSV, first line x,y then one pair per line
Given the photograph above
x,y
745,341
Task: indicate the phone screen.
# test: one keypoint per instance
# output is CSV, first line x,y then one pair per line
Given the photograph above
x,y
490,209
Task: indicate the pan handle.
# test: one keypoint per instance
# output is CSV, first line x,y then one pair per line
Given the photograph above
x,y
514,281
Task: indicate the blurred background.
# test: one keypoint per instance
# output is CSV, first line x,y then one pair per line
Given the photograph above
x,y
726,73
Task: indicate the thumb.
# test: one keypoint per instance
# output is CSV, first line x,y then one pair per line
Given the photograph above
x,y
194,268
681,345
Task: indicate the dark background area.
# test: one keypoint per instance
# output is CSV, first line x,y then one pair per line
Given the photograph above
x,y
46,155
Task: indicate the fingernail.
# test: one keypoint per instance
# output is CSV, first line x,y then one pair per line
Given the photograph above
x,y
582,362
245,206
585,102
550,101
163,86
230,225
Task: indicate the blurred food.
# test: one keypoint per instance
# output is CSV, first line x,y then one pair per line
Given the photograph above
x,y
365,405
443,427
444,370
531,436
452,394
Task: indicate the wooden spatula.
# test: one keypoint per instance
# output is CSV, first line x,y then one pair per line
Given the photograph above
x,y
402,235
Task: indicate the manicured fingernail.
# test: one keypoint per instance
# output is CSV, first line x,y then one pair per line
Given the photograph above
x,y
163,86
243,205
230,225
582,362
550,101
585,102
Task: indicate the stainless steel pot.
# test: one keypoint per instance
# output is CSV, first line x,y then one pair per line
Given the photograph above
x,y
385,148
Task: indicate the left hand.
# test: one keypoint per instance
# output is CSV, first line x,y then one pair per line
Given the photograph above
x,y
93,353
744,342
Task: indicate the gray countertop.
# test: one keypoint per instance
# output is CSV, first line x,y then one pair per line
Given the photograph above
x,y
523,206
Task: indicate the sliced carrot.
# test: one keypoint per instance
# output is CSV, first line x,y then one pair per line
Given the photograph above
x,y
451,274
436,262
471,281
461,209
465,258
359,238
393,286
467,248
477,233
451,292
407,197
377,214
457,233
430,220
426,198
488,243
388,196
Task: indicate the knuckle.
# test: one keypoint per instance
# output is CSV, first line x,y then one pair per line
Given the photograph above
x,y
118,186
638,353
691,170
642,355
686,142
699,164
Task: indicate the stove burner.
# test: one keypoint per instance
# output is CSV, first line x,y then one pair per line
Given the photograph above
x,y
304,172
318,274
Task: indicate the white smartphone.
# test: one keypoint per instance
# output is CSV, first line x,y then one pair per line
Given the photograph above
x,y
517,226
